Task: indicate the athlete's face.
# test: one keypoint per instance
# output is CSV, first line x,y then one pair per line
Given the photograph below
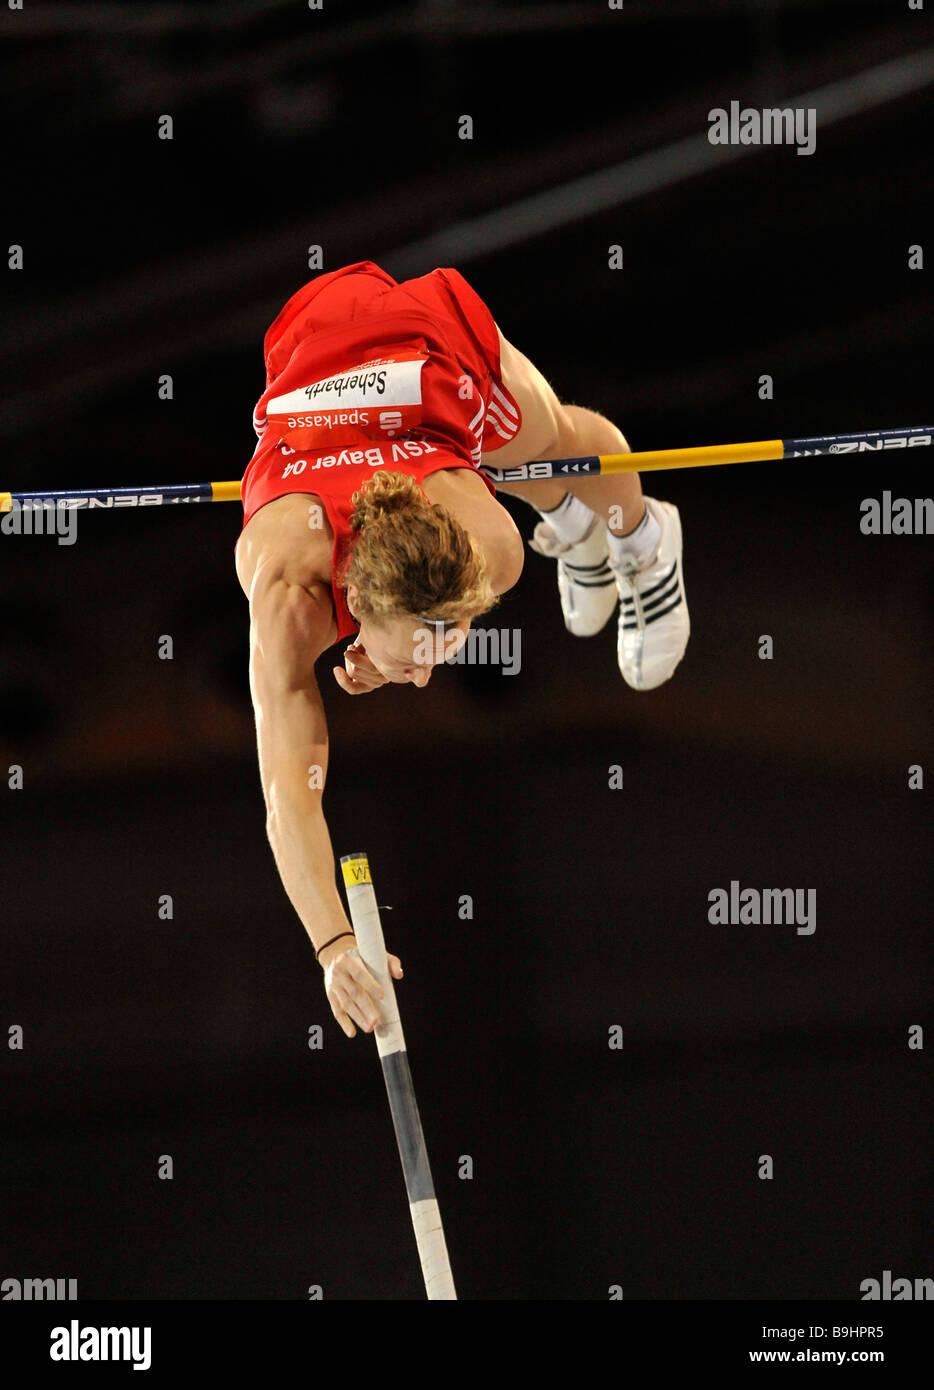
x,y
406,650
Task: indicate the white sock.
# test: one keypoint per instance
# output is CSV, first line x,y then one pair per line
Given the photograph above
x,y
570,520
641,543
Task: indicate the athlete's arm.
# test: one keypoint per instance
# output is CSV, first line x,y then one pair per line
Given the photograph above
x,y
288,630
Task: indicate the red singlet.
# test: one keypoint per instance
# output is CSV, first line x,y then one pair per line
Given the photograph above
x,y
364,373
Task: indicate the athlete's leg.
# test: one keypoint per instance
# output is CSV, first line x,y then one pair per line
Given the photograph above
x,y
553,429
640,560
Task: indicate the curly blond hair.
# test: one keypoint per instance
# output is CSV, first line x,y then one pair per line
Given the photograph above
x,y
411,558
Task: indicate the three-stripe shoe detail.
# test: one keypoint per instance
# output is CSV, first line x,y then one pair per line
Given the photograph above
x,y
654,625
586,582
590,576
667,591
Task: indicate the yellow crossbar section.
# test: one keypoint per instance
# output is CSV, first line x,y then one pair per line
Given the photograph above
x,y
226,492
707,456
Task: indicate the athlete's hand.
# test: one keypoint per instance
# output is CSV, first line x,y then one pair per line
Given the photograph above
x,y
360,674
353,993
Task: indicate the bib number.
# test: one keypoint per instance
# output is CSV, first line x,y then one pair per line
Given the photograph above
x,y
378,399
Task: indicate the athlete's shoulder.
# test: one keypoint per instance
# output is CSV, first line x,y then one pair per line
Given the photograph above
x,y
289,539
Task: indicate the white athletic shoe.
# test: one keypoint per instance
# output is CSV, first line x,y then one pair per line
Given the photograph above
x,y
654,625
586,583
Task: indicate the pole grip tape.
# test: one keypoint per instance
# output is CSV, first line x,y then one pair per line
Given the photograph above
x,y
364,917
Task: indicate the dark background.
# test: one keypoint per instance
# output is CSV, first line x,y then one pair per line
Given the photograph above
x,y
145,1037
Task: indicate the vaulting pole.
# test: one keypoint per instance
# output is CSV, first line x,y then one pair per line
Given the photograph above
x,y
390,1044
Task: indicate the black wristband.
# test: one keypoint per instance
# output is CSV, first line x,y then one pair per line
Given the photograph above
x,y
330,943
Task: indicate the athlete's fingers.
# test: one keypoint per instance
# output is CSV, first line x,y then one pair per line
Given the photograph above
x,y
368,994
357,969
357,1005
343,1007
360,668
351,687
362,675
360,672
